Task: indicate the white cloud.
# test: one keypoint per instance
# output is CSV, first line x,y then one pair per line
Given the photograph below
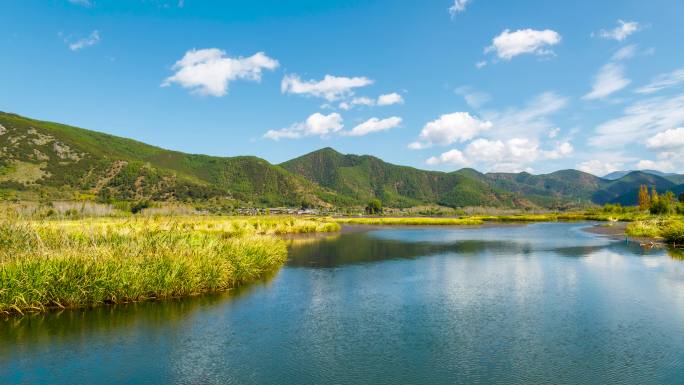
x,y
83,3
315,125
85,42
448,128
209,71
663,81
553,132
672,139
458,7
451,157
374,125
562,150
360,101
609,80
524,41
640,121
532,120
598,167
331,87
626,52
474,98
513,155
389,99
646,164
481,64
622,31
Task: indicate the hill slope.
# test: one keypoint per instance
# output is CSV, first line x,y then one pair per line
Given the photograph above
x,y
363,177
57,159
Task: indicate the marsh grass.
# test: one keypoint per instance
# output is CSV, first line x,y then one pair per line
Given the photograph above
x,y
670,229
417,221
67,264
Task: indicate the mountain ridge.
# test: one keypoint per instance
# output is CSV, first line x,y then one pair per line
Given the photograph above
x,y
39,158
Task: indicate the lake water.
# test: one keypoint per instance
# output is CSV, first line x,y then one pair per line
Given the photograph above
x,y
541,303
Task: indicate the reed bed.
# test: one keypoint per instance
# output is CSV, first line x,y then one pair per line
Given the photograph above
x,y
414,221
671,230
67,264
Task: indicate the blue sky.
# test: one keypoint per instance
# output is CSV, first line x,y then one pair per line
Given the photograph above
x,y
444,84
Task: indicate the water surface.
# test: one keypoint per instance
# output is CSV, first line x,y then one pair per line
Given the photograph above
x,y
542,303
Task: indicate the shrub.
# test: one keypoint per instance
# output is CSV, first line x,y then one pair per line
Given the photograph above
x,y
674,233
374,207
140,206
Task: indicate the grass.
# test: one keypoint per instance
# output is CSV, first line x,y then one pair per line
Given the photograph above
x,y
399,221
670,229
65,264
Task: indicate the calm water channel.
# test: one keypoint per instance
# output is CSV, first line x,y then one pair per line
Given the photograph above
x,y
541,303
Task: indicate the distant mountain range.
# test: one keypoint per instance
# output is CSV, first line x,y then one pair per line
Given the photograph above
x,y
674,178
43,160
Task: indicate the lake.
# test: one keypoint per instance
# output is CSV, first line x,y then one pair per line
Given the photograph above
x,y
538,303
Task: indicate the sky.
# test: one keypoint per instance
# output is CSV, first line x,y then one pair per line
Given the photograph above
x,y
508,86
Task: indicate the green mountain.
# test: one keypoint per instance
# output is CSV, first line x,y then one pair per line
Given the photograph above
x,y
43,160
363,177
59,160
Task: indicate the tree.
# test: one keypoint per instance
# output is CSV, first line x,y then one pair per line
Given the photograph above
x,y
664,204
681,197
644,199
654,195
374,207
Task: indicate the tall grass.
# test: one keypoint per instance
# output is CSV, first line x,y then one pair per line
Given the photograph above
x,y
669,229
48,264
419,221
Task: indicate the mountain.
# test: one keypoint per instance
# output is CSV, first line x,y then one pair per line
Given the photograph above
x,y
43,160
556,189
363,177
672,177
60,161
626,189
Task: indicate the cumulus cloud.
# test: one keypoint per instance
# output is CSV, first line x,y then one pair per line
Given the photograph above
x,y
449,128
315,125
458,7
88,41
374,125
598,167
330,88
452,157
513,155
383,100
389,99
668,140
524,41
640,121
609,80
622,31
662,165
209,71
663,81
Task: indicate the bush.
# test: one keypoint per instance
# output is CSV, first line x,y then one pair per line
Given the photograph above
x,y
374,207
674,233
661,206
140,206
